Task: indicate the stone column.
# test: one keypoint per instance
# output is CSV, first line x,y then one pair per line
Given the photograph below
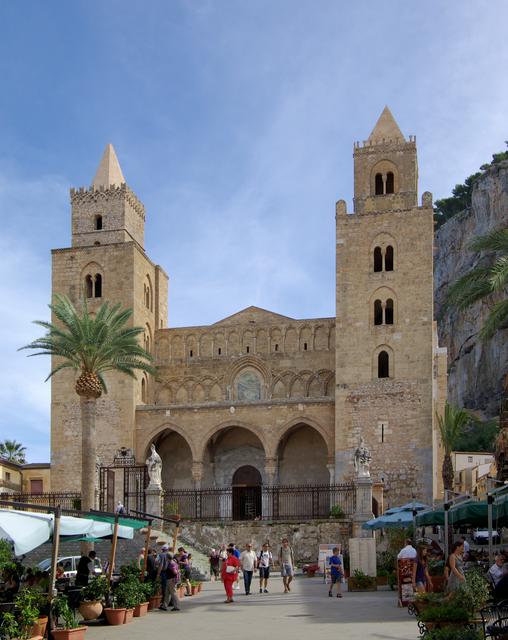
x,y
153,495
197,474
363,511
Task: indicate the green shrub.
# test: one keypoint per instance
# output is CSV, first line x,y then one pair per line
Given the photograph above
x,y
449,633
446,612
362,580
96,589
62,611
337,511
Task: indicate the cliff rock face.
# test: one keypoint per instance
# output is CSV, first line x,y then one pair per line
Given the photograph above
x,y
476,370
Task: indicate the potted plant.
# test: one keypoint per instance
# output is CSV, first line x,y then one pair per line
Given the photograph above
x,y
143,590
115,614
64,616
29,604
92,595
382,577
194,587
445,614
155,596
311,569
360,581
127,597
16,627
474,594
451,633
424,600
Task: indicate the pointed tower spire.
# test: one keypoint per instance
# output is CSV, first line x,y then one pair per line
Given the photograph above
x,y
386,128
109,172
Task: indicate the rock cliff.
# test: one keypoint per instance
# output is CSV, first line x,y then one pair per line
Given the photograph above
x,y
476,370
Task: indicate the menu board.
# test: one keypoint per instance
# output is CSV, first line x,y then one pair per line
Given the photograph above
x,y
405,568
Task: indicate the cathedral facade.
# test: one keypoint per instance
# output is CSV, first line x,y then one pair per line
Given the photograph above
x,y
259,398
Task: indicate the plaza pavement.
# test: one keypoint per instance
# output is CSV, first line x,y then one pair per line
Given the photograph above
x,y
305,613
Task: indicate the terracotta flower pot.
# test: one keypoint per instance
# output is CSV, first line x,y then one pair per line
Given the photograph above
x,y
200,586
39,628
90,609
154,602
141,609
194,590
114,616
129,614
69,634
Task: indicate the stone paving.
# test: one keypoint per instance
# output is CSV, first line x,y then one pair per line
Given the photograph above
x,y
306,612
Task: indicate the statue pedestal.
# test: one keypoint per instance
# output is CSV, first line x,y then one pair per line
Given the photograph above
x,y
362,555
153,495
363,511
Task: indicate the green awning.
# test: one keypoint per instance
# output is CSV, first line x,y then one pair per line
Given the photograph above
x,y
471,513
430,518
122,521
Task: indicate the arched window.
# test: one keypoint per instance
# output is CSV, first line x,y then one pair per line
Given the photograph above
x,y
98,223
383,365
378,312
389,311
248,386
379,184
378,259
143,390
147,294
390,182
98,286
389,258
89,286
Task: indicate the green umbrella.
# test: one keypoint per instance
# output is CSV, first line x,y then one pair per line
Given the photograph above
x,y
430,518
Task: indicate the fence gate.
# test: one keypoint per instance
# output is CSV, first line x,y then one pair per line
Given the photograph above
x,y
124,483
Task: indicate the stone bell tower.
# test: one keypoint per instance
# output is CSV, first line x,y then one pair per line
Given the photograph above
x,y
384,330
106,262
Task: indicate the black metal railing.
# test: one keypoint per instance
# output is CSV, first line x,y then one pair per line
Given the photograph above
x,y
67,500
262,503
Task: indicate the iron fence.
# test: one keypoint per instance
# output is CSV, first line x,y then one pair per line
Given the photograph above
x,y
67,500
303,502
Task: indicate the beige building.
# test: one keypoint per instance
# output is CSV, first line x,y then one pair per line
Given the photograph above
x,y
31,478
258,397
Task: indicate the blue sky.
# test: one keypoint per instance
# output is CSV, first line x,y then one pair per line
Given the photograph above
x,y
234,124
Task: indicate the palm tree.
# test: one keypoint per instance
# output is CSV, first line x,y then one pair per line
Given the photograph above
x,y
450,426
488,281
12,451
91,346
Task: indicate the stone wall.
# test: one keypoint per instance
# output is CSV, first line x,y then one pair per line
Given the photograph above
x,y
476,370
304,537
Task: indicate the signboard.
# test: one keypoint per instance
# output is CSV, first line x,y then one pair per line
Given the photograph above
x,y
405,569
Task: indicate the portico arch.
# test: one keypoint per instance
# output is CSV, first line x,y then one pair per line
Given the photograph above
x,y
303,452
177,458
228,447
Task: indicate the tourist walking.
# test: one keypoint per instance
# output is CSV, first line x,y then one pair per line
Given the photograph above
x,y
230,568
336,572
287,564
265,561
214,564
162,565
421,577
172,579
248,562
183,561
151,565
456,578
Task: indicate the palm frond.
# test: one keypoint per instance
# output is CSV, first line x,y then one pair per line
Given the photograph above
x,y
494,241
496,320
499,274
451,425
470,288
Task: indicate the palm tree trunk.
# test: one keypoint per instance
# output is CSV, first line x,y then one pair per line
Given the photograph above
x,y
447,472
88,455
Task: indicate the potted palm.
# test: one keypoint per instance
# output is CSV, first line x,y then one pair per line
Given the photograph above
x,y
92,595
67,627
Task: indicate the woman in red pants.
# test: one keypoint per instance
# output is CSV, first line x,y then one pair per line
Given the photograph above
x,y
229,573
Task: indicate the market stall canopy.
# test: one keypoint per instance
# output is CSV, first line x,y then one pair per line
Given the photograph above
x,y
430,518
398,520
27,530
410,506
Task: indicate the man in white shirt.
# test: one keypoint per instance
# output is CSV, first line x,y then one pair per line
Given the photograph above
x,y
248,562
265,561
408,552
497,570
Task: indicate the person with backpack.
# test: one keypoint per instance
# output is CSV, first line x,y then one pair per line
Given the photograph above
x,y
287,564
265,561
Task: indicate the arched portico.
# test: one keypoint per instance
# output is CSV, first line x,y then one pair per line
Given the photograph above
x,y
304,451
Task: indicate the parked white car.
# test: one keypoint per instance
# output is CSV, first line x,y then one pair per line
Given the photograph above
x,y
70,565
481,536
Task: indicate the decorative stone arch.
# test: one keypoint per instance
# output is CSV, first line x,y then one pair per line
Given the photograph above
x,y
164,395
198,392
148,292
248,341
306,336
291,339
302,420
206,345
248,362
233,346
262,342
375,361
388,185
219,344
383,294
150,436
161,346
177,347
191,346
382,242
148,338
329,385
228,424
92,281
321,337
276,340
321,377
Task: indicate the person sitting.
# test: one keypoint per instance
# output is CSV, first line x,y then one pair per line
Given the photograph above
x,y
497,570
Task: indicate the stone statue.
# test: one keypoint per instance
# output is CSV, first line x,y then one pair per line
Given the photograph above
x,y
154,464
362,459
